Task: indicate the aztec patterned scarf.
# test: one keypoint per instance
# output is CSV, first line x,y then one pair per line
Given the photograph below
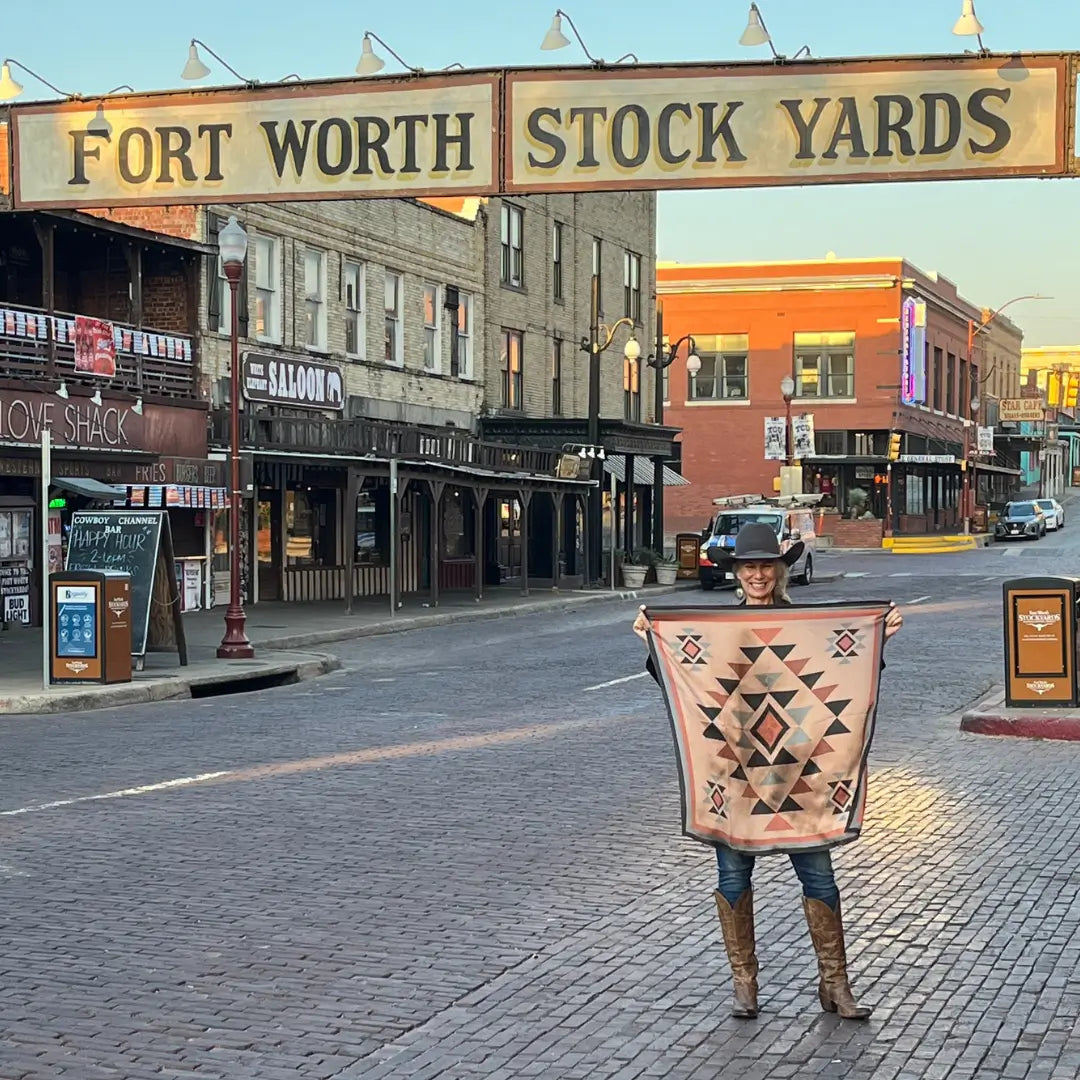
x,y
772,710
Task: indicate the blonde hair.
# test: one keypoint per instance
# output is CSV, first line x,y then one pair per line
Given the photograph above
x,y
783,577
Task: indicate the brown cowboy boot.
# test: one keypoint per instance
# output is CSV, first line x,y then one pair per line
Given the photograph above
x,y
737,924
827,934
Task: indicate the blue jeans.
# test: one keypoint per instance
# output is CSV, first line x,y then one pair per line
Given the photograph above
x,y
814,869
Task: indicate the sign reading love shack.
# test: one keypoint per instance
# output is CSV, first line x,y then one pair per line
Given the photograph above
x,y
556,129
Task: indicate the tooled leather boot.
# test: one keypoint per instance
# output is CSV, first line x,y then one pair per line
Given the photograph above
x,y
827,934
737,924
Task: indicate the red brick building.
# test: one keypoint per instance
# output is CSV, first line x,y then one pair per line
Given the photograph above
x,y
835,327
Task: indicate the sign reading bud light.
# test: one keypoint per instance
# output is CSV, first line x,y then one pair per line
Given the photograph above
x,y
913,352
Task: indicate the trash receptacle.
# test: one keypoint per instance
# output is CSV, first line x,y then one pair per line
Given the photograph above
x,y
90,627
1040,641
687,547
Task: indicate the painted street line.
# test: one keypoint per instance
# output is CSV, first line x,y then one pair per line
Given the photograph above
x,y
917,600
906,573
857,573
145,789
615,682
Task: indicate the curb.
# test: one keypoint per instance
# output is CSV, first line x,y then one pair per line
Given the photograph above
x,y
991,716
164,689
423,622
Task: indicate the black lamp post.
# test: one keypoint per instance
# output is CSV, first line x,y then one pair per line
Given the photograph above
x,y
232,244
662,359
599,339
787,391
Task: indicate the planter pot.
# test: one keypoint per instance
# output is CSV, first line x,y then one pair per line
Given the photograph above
x,y
665,575
634,576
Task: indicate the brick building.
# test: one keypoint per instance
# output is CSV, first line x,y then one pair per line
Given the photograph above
x,y
835,328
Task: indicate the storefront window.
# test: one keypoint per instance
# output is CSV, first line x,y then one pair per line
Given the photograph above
x,y
455,526
299,529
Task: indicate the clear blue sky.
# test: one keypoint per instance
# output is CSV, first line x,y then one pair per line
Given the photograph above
x,y
995,239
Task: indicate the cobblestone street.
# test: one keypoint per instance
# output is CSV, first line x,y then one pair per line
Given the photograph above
x,y
459,856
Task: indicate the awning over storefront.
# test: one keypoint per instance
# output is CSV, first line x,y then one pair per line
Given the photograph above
x,y
89,489
985,466
615,465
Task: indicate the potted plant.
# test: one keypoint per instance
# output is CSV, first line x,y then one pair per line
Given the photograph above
x,y
667,570
634,569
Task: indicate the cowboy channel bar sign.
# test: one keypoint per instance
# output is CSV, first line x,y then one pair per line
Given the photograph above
x,y
562,129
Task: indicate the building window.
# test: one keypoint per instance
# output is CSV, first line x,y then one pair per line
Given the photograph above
x,y
724,363
267,289
513,229
632,286
963,401
394,347
950,384
598,271
825,365
431,328
631,388
557,260
223,296
314,299
556,377
510,362
464,335
937,379
355,337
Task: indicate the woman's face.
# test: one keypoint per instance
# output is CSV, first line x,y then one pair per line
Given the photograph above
x,y
758,579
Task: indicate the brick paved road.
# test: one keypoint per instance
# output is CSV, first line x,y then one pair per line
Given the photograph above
x,y
453,860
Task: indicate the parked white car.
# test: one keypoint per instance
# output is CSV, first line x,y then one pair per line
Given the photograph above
x,y
1054,511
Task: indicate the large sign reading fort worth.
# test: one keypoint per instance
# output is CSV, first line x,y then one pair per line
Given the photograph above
x,y
578,129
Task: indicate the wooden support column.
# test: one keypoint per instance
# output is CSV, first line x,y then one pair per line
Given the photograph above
x,y
526,499
557,501
435,489
352,490
629,528
480,495
46,236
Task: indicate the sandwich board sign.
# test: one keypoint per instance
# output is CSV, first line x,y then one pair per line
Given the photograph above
x,y
139,543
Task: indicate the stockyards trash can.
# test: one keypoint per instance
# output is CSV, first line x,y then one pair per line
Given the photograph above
x,y
1040,641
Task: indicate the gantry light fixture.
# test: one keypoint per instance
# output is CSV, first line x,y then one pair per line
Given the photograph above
x,y
62,391
99,125
968,25
371,63
95,398
137,408
556,39
196,69
757,33
10,89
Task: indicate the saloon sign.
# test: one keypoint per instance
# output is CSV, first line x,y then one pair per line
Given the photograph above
x,y
577,129
297,383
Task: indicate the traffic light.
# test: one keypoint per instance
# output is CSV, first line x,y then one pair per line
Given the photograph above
x,y
1053,388
894,445
1072,389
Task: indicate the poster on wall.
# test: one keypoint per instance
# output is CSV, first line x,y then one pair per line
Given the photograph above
x,y
775,438
802,434
986,440
95,346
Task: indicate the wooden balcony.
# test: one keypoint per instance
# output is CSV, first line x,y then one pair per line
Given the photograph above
x,y
35,345
319,435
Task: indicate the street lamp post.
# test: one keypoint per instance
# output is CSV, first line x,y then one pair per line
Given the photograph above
x,y
660,361
969,491
232,244
599,339
787,390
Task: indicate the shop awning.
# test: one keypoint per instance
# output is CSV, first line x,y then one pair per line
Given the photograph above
x,y
89,489
985,466
615,465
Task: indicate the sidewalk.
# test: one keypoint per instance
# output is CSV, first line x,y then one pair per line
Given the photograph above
x,y
285,637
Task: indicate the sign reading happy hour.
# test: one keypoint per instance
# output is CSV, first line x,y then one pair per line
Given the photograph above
x,y
319,141
563,129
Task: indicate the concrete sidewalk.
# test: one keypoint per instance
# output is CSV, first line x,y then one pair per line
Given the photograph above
x,y
285,637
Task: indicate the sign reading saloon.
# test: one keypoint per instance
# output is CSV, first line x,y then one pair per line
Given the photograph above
x,y
301,384
576,129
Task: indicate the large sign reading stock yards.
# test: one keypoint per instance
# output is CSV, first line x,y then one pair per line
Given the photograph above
x,y
565,129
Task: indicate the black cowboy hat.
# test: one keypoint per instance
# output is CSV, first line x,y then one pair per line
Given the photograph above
x,y
758,542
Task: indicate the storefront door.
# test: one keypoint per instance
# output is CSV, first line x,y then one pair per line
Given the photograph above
x,y
268,544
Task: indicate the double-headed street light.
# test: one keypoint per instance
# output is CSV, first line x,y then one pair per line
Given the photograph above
x,y
660,361
232,246
599,340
